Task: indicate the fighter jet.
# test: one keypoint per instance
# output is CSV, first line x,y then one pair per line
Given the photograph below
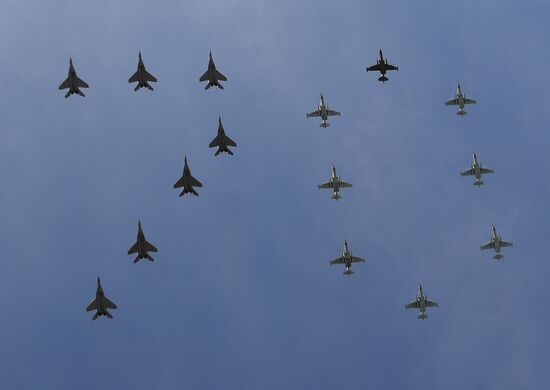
x,y
187,181
347,258
222,141
73,83
421,302
324,112
460,100
212,75
476,170
382,66
335,184
141,247
497,244
100,304
142,77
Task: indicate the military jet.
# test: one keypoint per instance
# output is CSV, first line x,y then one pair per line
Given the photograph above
x,y
497,244
421,302
324,112
222,141
382,66
476,170
335,184
72,82
142,247
460,100
212,75
142,77
187,181
347,258
100,304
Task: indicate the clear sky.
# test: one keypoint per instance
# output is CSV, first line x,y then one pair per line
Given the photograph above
x,y
241,295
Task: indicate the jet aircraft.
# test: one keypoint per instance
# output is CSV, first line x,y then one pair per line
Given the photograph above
x,y
497,244
476,170
335,184
142,247
421,302
187,181
347,259
460,100
212,75
324,112
72,82
382,66
100,304
222,141
142,77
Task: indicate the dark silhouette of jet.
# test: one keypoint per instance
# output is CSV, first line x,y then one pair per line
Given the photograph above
x,y
382,66
141,247
222,141
100,304
142,77
72,82
187,181
212,75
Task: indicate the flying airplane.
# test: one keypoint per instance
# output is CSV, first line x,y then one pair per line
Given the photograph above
x,y
100,304
347,258
335,184
142,77
421,302
460,100
222,141
141,247
476,170
212,75
497,244
382,66
324,112
187,181
72,82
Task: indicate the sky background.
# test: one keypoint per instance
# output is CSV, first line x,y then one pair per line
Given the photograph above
x,y
241,294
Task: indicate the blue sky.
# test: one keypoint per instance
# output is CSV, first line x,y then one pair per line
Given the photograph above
x,y
241,295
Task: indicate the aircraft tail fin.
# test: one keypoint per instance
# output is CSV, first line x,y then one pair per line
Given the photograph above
x,y
324,124
108,314
207,86
150,258
422,316
95,317
461,113
81,93
348,272
383,78
336,196
67,94
137,87
478,183
498,256
136,259
194,192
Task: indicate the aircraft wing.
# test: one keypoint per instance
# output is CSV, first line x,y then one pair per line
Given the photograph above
x,y
92,305
81,83
505,244
150,247
204,77
469,101
412,305
338,260
486,170
311,114
133,249
373,68
452,102
489,245
355,259
220,76
108,304
431,303
134,78
326,185
469,172
230,142
179,183
64,84
343,184
332,113
195,182
391,67
149,77
215,142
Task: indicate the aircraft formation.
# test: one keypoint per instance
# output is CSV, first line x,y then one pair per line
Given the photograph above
x,y
188,183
